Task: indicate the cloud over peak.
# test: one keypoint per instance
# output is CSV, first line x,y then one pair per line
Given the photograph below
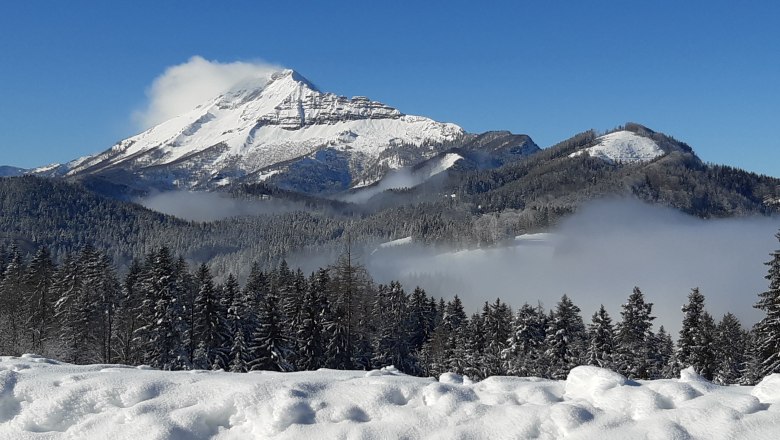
x,y
182,87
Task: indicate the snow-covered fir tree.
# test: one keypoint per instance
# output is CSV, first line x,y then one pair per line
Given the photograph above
x,y
128,311
601,340
665,367
634,338
497,318
768,329
565,339
311,332
730,350
39,282
12,304
524,353
695,346
270,347
161,334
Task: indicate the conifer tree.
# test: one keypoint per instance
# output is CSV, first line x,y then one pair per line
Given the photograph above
x,y
695,344
393,332
665,366
768,329
12,304
601,340
236,354
751,374
730,350
39,281
207,321
310,334
525,350
162,332
454,322
128,311
67,287
634,337
270,347
421,318
565,340
468,357
498,323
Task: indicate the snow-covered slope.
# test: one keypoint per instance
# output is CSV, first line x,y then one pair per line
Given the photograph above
x,y
623,147
259,125
45,399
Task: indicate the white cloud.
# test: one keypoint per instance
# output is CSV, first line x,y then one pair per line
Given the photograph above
x,y
182,87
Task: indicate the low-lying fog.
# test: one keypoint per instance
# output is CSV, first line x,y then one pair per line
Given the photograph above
x,y
597,256
209,206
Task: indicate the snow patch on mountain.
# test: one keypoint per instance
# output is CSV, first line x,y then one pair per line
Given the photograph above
x,y
623,147
439,165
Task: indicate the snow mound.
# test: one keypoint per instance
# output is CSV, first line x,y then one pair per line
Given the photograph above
x,y
768,390
41,398
589,382
623,147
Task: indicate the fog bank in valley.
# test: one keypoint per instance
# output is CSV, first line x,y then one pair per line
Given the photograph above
x,y
208,206
597,256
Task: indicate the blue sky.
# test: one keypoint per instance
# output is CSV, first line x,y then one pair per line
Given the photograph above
x,y
708,73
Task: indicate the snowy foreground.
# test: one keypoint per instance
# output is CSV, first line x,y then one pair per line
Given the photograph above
x,y
42,398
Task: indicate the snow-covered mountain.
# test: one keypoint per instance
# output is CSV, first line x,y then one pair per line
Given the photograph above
x,y
272,128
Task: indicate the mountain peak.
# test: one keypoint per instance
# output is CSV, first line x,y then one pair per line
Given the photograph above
x,y
294,76
266,121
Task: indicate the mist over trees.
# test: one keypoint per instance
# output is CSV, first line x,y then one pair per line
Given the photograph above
x,y
165,314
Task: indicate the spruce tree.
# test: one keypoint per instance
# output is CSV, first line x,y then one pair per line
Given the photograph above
x,y
498,328
455,322
311,332
468,357
601,340
768,329
269,346
393,332
237,353
207,335
128,311
524,353
695,344
67,288
665,367
634,338
730,350
565,340
39,282
161,336
12,303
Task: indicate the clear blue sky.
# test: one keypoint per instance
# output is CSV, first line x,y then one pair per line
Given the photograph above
x,y
708,73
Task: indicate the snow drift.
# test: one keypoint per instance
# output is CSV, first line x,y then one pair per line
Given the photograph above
x,y
43,398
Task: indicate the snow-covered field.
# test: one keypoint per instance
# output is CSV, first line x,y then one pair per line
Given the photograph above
x,y
42,398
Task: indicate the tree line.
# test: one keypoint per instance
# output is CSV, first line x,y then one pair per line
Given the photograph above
x,y
163,314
